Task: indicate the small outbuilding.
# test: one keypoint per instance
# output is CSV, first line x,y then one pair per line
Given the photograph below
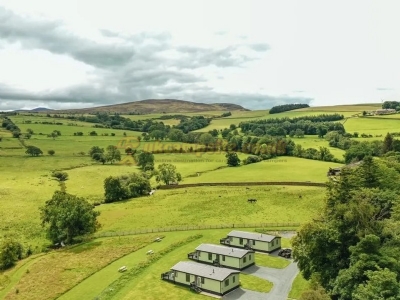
x,y
202,277
385,111
252,241
217,255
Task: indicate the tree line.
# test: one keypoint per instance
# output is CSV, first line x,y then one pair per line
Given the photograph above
x,y
286,107
357,150
391,105
350,249
310,125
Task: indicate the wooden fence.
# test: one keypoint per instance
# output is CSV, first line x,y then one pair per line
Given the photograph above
x,y
292,183
196,227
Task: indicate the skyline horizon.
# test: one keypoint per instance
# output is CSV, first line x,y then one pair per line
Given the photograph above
x,y
30,108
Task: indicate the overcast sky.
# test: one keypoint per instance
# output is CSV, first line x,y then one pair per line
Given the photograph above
x,y
72,54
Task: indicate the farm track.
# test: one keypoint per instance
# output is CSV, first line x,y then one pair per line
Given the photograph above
x,y
251,183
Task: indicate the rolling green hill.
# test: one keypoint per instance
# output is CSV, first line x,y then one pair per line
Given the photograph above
x,y
152,106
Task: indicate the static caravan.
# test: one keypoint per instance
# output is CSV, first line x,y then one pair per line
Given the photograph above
x,y
203,277
228,257
251,240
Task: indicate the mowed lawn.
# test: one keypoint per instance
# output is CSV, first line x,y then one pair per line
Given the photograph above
x,y
213,206
284,168
148,286
298,287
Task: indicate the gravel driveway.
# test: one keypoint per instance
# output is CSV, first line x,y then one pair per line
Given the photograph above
x,y
282,280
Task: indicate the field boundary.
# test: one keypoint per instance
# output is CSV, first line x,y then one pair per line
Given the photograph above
x,y
292,183
195,227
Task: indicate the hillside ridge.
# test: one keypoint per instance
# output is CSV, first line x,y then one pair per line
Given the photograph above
x,y
150,106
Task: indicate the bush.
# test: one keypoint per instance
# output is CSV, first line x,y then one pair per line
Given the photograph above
x,y
10,253
252,159
51,152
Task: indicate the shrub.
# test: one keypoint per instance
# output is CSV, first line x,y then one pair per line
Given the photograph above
x,y
51,152
252,159
10,253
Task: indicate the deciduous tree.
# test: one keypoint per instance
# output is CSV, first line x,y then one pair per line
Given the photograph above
x,y
167,173
112,154
145,160
33,151
232,159
67,216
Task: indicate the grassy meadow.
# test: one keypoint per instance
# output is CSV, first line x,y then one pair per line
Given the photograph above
x,y
207,206
87,269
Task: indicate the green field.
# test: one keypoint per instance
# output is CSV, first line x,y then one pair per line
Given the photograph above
x,y
371,125
280,169
207,206
89,268
310,141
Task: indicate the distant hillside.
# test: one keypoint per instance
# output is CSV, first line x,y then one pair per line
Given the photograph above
x,y
152,106
37,109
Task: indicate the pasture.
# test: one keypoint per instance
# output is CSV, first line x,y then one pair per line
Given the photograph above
x,y
89,268
371,125
284,168
26,183
312,141
213,206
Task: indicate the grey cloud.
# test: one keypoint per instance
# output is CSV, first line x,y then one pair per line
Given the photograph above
x,y
384,89
259,47
52,36
127,67
225,57
92,97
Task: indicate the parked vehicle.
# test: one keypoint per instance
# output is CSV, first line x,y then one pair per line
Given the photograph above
x,y
285,252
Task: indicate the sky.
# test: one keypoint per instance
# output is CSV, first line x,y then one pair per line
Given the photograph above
x,y
258,54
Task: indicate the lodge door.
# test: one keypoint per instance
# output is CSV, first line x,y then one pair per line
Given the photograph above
x,y
198,281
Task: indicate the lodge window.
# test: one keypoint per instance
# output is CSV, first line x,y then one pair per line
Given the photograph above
x,y
233,279
254,242
227,282
187,277
241,241
202,280
250,257
209,256
244,259
223,257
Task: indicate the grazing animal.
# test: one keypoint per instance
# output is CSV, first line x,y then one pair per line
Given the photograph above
x,y
252,200
300,196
